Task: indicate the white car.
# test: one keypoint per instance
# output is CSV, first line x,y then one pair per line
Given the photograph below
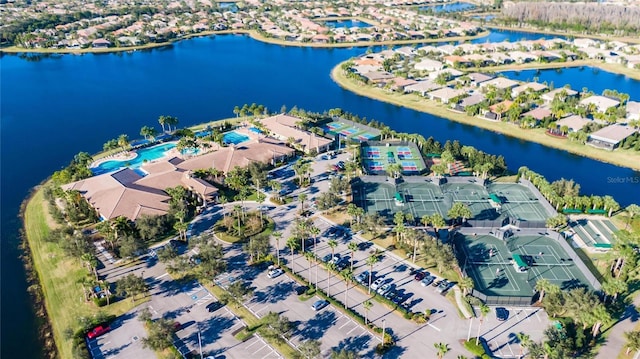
x,y
275,273
384,289
378,282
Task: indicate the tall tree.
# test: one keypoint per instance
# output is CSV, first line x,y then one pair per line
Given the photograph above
x,y
371,260
484,310
442,349
367,306
293,244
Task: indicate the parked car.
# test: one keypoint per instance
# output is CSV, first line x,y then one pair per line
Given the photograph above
x,y
176,326
438,282
385,288
301,289
419,275
377,283
363,277
275,273
319,304
98,331
335,259
444,286
502,314
327,258
213,306
427,280
390,295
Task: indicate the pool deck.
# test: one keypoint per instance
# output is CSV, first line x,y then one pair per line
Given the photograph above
x,y
120,156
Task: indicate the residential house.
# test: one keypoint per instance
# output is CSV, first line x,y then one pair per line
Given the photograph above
x,y
610,137
429,65
400,83
446,94
539,114
498,110
529,86
633,110
478,78
550,96
469,101
602,103
422,87
377,77
100,43
574,123
501,83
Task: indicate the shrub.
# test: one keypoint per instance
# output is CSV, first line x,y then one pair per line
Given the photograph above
x,y
477,350
101,302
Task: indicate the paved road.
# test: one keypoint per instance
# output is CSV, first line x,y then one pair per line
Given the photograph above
x,y
615,342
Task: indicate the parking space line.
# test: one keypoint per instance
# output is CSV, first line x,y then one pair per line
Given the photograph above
x,y
356,327
252,344
264,345
434,327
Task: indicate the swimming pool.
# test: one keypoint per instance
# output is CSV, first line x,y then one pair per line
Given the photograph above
x,y
234,137
148,154
255,130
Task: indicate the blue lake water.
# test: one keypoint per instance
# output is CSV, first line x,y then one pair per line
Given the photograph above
x,y
83,101
452,7
592,78
346,23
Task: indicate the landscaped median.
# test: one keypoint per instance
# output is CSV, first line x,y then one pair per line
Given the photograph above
x,y
619,157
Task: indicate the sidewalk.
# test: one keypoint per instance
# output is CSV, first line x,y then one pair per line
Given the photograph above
x,y
615,342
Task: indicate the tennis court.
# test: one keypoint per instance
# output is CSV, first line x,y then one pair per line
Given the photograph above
x,y
418,199
489,261
474,196
519,202
408,156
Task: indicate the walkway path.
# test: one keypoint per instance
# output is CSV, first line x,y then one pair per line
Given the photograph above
x,y
615,337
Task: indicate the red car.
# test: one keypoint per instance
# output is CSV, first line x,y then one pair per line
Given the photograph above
x,y
98,331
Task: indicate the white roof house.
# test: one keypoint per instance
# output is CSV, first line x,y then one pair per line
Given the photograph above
x,y
500,83
549,96
633,110
574,122
422,87
445,94
602,103
429,65
533,86
610,136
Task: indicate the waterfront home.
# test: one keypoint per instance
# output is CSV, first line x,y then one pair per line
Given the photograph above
x,y
602,103
400,83
563,91
406,51
574,123
529,86
100,43
284,127
377,77
469,101
498,110
455,61
477,78
449,72
422,87
539,114
522,57
585,42
610,137
633,110
446,94
501,83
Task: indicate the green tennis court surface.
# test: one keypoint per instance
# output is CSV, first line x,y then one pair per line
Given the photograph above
x,y
518,202
488,261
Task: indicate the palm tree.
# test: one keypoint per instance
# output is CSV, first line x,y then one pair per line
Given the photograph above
x,y
293,244
310,257
442,349
162,120
600,316
123,141
347,276
466,284
353,247
315,232
333,244
484,310
277,236
632,211
373,259
367,306
331,267
524,340
633,341
613,287
542,286
147,131
302,197
437,222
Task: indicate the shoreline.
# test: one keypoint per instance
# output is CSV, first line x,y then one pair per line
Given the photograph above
x,y
251,33
621,158
632,40
612,68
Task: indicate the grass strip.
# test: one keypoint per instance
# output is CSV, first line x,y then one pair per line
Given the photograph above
x,y
60,277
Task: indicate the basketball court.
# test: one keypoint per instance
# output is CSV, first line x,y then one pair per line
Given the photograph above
x,y
489,261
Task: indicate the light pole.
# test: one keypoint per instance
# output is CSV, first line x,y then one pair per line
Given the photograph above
x,y
199,342
384,322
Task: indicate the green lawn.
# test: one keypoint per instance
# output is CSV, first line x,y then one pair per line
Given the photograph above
x,y
59,278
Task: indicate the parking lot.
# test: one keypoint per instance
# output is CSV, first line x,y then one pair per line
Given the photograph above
x,y
331,327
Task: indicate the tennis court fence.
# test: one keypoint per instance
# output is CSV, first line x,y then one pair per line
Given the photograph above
x,y
547,206
503,299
